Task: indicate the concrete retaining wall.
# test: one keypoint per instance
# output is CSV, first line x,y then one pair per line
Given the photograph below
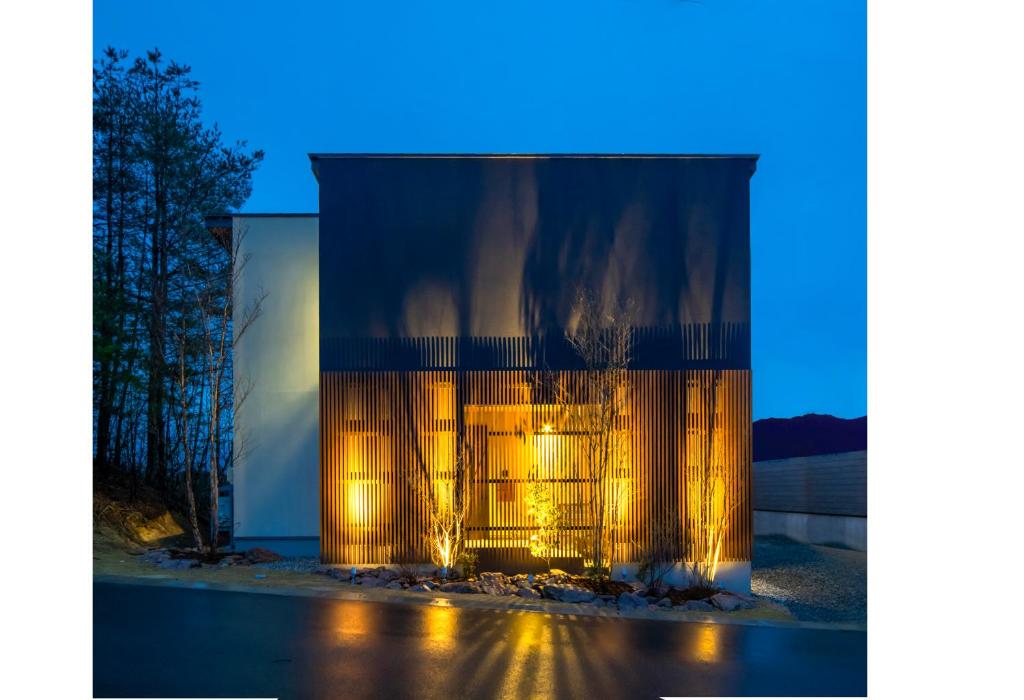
x,y
842,530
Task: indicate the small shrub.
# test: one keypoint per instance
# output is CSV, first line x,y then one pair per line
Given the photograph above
x,y
547,516
467,563
407,574
661,551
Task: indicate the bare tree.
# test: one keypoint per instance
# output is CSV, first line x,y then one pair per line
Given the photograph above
x,y
186,406
222,331
446,495
591,408
716,502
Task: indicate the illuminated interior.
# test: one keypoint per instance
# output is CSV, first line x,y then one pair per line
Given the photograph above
x,y
386,434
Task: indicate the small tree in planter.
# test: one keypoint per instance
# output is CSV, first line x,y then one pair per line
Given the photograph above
x,y
541,506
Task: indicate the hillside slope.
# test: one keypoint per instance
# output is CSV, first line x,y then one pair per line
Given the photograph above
x,y
811,434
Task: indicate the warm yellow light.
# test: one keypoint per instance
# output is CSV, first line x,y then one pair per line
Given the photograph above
x,y
546,428
357,510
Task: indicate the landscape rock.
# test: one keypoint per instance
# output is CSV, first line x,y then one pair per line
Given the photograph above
x,y
555,576
394,586
459,587
527,593
630,601
420,588
178,564
496,583
664,603
259,555
340,574
385,574
156,556
370,582
728,603
697,606
567,593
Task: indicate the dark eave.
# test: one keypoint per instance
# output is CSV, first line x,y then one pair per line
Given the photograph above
x,y
315,158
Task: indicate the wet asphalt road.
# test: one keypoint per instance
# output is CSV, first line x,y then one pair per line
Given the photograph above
x,y
172,642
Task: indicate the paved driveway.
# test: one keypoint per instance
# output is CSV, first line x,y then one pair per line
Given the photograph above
x,y
157,641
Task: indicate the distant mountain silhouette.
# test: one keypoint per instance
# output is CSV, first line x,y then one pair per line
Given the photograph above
x,y
812,434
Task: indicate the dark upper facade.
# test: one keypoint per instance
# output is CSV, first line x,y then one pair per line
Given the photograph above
x,y
473,261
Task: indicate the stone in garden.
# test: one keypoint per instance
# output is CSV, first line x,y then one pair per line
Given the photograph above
x,y
728,602
394,586
420,588
567,593
496,589
459,587
179,564
495,583
664,603
629,601
370,582
384,574
697,606
156,556
259,555
527,593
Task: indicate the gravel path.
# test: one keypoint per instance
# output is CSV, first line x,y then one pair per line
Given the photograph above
x,y
302,565
817,584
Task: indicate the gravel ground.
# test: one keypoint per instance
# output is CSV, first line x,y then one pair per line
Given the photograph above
x,y
817,584
302,565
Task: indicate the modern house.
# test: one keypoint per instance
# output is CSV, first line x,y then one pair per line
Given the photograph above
x,y
420,308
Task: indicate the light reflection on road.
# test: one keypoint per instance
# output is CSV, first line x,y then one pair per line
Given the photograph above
x,y
249,645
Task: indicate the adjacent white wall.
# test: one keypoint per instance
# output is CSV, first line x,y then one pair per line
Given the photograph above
x,y
277,475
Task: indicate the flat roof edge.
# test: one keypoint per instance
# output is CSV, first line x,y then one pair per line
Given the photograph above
x,y
226,219
662,156
314,158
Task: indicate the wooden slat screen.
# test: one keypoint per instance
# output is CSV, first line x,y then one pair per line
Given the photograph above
x,y
695,345
385,434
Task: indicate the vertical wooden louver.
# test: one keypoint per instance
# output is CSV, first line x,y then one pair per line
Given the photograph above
x,y
385,434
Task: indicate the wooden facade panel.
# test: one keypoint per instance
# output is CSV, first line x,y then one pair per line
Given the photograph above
x,y
385,436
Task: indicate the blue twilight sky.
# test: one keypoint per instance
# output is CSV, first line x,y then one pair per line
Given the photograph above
x,y
783,79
